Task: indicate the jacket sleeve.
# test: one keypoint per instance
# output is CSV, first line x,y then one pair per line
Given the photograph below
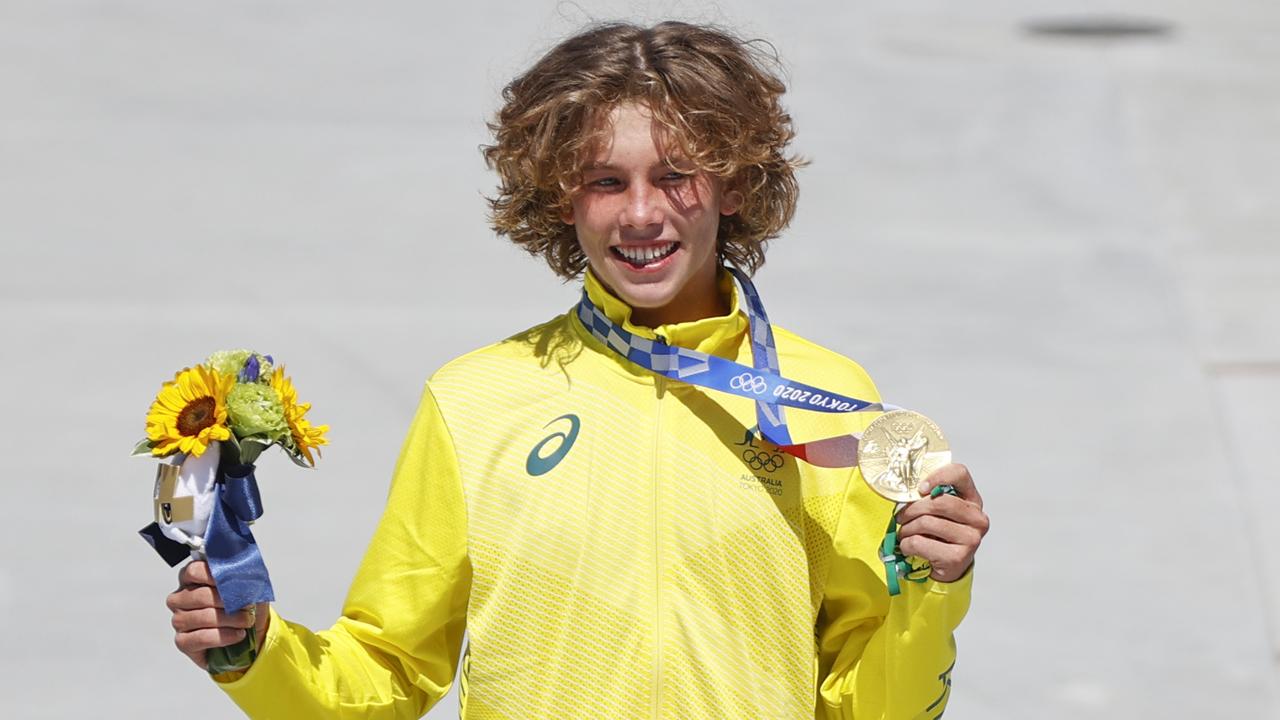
x,y
394,651
882,657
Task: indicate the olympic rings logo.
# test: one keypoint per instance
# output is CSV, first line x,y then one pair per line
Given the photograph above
x,y
749,382
766,461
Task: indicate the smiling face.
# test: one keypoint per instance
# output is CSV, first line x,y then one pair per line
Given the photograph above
x,y
647,223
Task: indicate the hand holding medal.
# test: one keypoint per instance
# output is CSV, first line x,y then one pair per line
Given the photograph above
x,y
904,457
945,528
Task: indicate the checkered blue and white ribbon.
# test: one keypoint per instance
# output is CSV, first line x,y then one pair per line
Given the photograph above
x,y
763,383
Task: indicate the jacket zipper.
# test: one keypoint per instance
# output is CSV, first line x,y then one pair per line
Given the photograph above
x,y
660,387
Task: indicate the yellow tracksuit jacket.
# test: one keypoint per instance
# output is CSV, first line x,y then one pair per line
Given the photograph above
x,y
619,546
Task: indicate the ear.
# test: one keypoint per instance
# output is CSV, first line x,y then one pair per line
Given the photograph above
x,y
566,215
731,202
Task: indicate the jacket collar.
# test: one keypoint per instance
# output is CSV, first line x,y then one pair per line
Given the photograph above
x,y
720,335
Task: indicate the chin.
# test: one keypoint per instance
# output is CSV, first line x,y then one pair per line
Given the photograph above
x,y
646,296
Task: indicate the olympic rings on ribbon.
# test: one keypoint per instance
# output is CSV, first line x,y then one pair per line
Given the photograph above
x,y
766,461
750,382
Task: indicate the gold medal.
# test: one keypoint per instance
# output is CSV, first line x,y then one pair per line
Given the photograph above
x,y
898,450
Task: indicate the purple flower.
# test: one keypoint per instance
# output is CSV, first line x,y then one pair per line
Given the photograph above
x,y
249,373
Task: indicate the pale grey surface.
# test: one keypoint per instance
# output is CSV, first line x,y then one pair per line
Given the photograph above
x,y
1063,251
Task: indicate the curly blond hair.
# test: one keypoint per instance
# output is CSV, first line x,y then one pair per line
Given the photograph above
x,y
711,94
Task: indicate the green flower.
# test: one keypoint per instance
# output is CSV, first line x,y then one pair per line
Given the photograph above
x,y
233,362
254,410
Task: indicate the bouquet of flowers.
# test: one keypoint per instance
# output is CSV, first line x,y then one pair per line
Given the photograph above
x,y
209,425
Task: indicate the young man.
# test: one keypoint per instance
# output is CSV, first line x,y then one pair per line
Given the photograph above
x,y
618,542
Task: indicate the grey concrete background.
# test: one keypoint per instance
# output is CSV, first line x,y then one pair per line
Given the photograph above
x,y
1062,250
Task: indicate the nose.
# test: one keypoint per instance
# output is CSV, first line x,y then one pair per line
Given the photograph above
x,y
643,206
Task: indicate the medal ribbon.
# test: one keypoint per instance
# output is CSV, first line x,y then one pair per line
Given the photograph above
x,y
762,383
771,391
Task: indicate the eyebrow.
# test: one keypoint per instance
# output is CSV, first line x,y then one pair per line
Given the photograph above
x,y
673,163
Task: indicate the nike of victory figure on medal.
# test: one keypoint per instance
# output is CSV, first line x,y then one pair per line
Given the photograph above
x,y
898,450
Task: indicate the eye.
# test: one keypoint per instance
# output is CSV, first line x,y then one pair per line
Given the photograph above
x,y
674,176
605,182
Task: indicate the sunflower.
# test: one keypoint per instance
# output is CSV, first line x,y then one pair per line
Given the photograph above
x,y
189,412
306,436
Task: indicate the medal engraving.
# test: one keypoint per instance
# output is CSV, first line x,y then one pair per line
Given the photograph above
x,y
898,450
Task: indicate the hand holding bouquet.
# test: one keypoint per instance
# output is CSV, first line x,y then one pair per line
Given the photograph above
x,y
210,424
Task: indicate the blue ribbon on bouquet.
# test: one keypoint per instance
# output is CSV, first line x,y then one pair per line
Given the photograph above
x,y
234,559
762,383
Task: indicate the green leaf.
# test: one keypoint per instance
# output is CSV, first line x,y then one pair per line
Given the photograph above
x,y
142,448
300,460
251,448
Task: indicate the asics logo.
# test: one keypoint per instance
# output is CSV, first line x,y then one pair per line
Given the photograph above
x,y
537,463
750,383
766,461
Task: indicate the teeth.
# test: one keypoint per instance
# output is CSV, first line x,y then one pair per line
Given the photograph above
x,y
645,255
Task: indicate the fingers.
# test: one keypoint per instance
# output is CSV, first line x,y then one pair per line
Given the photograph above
x,y
193,598
949,562
206,618
949,507
945,530
195,572
941,529
199,620
194,644
955,475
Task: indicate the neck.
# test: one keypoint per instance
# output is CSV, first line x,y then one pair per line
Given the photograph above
x,y
698,299
715,327
681,310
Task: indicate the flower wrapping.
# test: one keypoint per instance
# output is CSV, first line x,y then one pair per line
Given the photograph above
x,y
196,479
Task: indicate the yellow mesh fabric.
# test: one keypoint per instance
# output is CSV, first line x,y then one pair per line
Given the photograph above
x,y
654,572
618,546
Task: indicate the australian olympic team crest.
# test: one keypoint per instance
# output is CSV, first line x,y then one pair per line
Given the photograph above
x,y
763,460
763,463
